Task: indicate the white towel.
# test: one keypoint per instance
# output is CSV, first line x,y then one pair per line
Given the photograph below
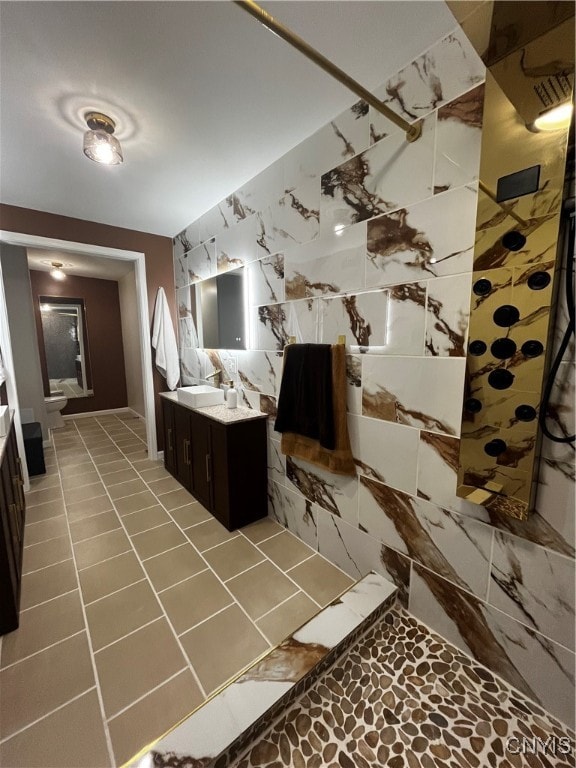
x,y
164,341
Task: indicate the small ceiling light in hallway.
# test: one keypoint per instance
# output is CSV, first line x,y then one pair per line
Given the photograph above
x,y
99,143
56,272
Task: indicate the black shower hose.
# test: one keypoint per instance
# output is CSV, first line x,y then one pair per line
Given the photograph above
x,y
565,341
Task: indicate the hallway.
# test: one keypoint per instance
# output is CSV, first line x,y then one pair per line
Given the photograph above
x,y
136,603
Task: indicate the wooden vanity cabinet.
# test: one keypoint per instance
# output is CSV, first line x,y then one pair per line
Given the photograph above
x,y
223,465
12,517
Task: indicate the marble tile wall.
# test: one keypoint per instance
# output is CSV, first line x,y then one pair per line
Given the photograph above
x,y
355,232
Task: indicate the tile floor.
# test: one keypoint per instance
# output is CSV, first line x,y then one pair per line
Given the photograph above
x,y
69,387
136,603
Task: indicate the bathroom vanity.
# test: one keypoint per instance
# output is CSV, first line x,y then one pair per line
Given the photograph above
x,y
219,455
12,512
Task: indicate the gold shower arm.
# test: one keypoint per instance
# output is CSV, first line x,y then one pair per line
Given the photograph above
x,y
413,131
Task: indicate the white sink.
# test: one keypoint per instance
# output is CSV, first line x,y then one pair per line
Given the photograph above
x,y
200,395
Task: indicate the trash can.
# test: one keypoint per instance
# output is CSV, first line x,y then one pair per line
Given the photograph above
x,y
32,434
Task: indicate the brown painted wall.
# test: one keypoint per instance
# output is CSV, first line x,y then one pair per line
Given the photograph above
x,y
104,333
157,250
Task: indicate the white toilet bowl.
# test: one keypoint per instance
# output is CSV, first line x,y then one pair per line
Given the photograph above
x,y
54,405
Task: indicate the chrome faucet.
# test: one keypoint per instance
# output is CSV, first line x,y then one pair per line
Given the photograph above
x,y
217,376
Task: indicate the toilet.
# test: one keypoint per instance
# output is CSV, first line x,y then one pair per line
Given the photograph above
x,y
54,406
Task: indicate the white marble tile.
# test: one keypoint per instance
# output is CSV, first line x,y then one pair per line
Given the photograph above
x,y
420,392
380,449
184,303
329,627
214,221
236,246
192,365
276,463
188,336
405,320
458,141
186,240
368,594
360,317
537,666
338,494
266,280
291,220
454,546
270,326
341,138
260,371
391,174
444,71
248,700
535,586
331,264
556,500
199,263
268,186
431,239
293,512
303,321
447,315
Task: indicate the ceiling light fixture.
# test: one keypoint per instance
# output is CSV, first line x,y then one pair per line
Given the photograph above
x,y
99,143
56,271
554,119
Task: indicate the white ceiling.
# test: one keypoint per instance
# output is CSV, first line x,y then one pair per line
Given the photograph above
x,y
79,264
204,96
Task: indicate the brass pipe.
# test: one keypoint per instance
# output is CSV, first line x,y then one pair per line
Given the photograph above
x,y
413,130
506,208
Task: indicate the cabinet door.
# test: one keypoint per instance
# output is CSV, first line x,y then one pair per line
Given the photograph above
x,y
169,436
201,460
182,446
220,474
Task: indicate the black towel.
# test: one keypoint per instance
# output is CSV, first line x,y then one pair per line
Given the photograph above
x,y
305,404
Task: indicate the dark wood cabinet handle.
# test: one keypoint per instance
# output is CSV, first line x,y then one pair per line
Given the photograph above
x,y
170,439
208,473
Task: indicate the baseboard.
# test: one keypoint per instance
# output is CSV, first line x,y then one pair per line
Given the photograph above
x,y
88,414
47,443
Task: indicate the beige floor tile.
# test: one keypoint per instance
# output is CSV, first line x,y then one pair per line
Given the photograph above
x,y
130,450
103,449
261,588
118,614
233,557
129,488
34,533
42,626
44,511
128,441
175,499
114,466
151,717
288,617
194,600
73,461
173,566
138,456
285,550
141,521
165,485
320,579
146,463
208,534
154,473
46,553
136,502
59,673
119,477
101,548
214,657
41,482
71,737
64,454
190,514
261,529
77,481
103,578
83,509
84,493
107,458
33,498
134,665
94,525
157,540
77,469
96,440
47,583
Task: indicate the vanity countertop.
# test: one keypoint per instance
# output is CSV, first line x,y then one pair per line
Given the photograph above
x,y
220,413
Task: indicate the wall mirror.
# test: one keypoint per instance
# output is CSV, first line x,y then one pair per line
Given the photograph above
x,y
220,304
65,346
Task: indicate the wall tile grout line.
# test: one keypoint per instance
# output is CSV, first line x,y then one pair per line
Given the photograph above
x,y
141,698
50,599
41,650
128,634
199,623
115,592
